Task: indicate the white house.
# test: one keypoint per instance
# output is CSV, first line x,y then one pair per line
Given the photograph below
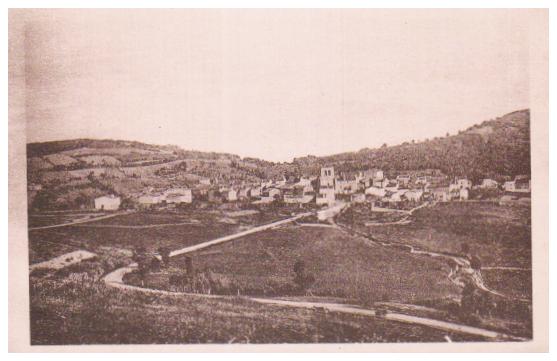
x,y
178,195
255,191
347,185
509,186
148,199
463,194
414,195
230,195
403,179
375,191
489,183
464,183
108,203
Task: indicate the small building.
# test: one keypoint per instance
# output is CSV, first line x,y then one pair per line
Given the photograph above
x,y
464,183
403,180
522,183
178,195
205,181
230,194
375,191
347,185
108,202
414,195
441,194
150,199
463,194
255,192
489,183
380,183
509,186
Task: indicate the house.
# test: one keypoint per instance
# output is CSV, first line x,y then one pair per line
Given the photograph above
x,y
255,192
326,195
489,183
150,199
463,194
509,186
380,183
397,196
108,202
441,194
403,180
464,183
347,185
375,191
414,195
205,181
367,176
298,194
178,195
522,183
230,194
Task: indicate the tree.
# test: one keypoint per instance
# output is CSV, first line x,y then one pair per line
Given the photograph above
x,y
165,255
465,248
303,279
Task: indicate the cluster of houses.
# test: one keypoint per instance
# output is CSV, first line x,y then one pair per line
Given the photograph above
x,y
325,189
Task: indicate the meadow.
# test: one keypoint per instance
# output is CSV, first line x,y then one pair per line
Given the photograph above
x,y
343,266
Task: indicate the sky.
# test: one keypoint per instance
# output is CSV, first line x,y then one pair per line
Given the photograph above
x,y
272,84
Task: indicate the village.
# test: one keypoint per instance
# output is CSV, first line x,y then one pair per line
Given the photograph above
x,y
370,186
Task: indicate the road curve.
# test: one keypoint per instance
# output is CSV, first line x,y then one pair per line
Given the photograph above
x,y
115,279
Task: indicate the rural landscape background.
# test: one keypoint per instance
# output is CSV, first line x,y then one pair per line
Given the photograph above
x,y
424,241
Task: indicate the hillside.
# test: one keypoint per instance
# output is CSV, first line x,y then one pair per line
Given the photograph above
x,y
493,148
72,170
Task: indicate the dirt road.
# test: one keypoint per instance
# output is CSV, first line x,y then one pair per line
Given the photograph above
x,y
81,221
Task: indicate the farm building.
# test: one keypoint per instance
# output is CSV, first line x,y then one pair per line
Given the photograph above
x,y
178,195
108,202
441,194
489,183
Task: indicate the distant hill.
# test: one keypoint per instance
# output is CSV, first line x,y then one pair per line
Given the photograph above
x,y
495,147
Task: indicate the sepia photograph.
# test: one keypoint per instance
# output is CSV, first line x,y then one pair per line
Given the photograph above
x,y
278,176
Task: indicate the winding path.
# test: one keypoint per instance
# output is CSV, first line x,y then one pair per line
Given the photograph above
x,y
81,221
115,279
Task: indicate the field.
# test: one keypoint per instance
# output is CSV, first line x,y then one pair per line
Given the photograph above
x,y
498,235
343,266
72,306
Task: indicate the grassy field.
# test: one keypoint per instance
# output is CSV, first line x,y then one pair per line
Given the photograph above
x,y
72,306
150,229
513,283
498,235
343,266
